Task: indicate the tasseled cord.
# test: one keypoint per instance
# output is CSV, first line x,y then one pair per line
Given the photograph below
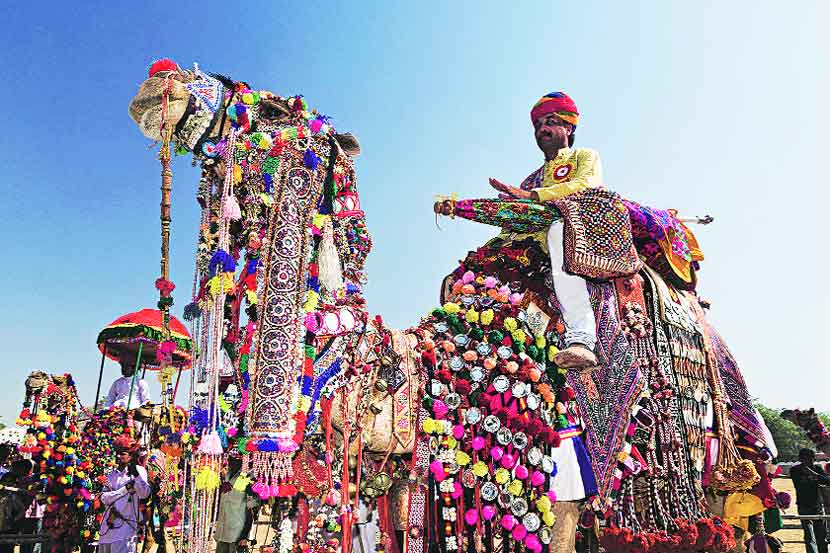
x,y
328,262
211,443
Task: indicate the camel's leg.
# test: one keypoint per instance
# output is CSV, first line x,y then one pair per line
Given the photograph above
x,y
564,531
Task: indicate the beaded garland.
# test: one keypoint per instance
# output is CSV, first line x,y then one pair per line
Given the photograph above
x,y
498,405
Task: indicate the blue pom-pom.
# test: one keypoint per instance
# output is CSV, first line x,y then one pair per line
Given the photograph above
x,y
314,284
192,311
352,288
221,259
267,445
268,180
252,266
310,159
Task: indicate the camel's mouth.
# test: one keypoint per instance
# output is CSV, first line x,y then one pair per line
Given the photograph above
x,y
146,107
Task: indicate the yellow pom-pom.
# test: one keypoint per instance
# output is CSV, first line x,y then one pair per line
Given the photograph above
x,y
304,403
552,351
451,307
237,174
502,476
549,518
452,443
487,316
471,316
519,336
461,458
480,469
515,487
543,504
540,341
248,99
510,324
429,425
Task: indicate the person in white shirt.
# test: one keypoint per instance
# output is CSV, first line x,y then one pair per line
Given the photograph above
x,y
126,487
119,394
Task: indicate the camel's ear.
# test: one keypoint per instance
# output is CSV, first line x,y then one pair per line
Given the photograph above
x,y
349,143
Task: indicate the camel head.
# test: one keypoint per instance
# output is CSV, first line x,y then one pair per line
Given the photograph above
x,y
203,107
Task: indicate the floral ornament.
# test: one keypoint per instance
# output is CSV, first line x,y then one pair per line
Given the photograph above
x,y
165,287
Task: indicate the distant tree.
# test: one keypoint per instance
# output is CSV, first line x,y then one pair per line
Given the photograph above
x,y
788,437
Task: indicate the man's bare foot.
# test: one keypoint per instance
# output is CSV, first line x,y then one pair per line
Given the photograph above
x,y
577,357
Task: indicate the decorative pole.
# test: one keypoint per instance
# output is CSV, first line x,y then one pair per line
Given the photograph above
x,y
167,347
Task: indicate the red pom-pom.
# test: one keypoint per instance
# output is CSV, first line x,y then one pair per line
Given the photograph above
x,y
163,65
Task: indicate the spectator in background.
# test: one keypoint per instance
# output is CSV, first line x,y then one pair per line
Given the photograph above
x,y
808,478
14,499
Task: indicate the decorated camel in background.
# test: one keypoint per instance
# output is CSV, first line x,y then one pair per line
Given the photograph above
x,y
465,416
810,422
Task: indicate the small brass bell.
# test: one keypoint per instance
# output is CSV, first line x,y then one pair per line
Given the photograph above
x,y
386,361
352,462
376,408
381,385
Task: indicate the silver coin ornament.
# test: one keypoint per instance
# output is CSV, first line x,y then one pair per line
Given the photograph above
x,y
534,456
532,522
501,383
477,374
473,415
504,436
491,423
518,506
520,440
489,491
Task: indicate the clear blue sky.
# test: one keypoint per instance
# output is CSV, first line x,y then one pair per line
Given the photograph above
x,y
709,107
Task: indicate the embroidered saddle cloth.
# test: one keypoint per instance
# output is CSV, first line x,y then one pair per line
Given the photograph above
x,y
598,241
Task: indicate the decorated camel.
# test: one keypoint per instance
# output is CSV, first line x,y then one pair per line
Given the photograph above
x,y
461,431
810,422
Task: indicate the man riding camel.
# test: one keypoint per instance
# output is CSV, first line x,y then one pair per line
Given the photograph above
x,y
566,171
120,391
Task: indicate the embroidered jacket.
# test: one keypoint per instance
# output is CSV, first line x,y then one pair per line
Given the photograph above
x,y
573,170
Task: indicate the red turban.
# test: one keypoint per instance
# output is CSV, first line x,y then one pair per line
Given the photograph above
x,y
125,443
558,103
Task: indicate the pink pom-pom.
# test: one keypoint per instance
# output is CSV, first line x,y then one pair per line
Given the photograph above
x,y
316,125
504,290
496,453
490,282
440,409
552,496
478,443
519,532
516,299
488,512
508,522
458,431
471,517
521,472
312,322
533,543
261,490
537,478
507,461
456,490
468,277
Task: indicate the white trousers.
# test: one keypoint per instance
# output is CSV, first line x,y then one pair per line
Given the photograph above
x,y
572,293
124,546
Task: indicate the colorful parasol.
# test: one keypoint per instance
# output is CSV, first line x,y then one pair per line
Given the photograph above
x,y
510,215
121,339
